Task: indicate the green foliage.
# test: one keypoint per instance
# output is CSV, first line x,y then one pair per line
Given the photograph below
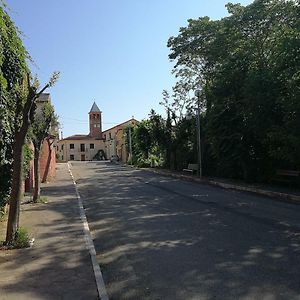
x,y
27,157
22,239
248,66
43,200
156,143
148,141
185,144
141,140
19,94
100,155
13,68
44,120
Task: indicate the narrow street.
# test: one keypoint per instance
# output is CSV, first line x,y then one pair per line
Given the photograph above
x,y
163,238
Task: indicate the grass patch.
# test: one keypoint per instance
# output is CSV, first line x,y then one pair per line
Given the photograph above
x,y
22,239
43,200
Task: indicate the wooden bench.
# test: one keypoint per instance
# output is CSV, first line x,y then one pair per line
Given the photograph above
x,y
288,176
191,168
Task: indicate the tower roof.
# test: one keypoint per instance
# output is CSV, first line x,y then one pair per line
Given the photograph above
x,y
95,108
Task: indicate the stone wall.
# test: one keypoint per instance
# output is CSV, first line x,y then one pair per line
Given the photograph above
x,y
48,160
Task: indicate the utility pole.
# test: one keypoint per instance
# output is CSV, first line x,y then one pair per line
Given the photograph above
x,y
130,138
198,95
130,145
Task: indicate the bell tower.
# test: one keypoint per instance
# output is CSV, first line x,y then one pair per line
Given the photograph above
x,y
95,122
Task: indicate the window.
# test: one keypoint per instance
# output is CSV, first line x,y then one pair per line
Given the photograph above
x,y
62,147
105,137
72,157
92,146
110,135
71,146
82,147
95,125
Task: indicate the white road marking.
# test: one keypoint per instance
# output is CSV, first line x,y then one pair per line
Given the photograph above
x,y
90,245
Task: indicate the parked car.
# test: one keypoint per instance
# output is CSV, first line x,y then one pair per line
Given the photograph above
x,y
114,158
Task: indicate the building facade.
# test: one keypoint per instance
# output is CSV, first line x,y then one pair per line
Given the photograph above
x,y
96,145
115,140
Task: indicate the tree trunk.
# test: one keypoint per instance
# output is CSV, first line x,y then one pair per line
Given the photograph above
x,y
16,191
28,112
49,158
37,174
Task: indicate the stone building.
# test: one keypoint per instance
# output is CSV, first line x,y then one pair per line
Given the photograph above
x,y
115,141
97,144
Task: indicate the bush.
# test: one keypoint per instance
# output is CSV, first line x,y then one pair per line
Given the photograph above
x,y
22,238
100,155
43,200
142,163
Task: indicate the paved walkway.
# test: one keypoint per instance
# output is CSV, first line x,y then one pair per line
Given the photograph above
x,y
281,193
59,265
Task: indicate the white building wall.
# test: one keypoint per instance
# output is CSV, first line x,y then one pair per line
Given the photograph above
x,y
65,151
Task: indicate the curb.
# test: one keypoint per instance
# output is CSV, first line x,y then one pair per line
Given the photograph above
x,y
102,293
294,199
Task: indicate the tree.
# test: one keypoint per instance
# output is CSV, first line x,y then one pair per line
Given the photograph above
x,y
44,120
27,112
248,66
13,66
18,103
148,141
141,140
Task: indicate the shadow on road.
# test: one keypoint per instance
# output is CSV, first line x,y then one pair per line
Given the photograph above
x,y
153,243
58,266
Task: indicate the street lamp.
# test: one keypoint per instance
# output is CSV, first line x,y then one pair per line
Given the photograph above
x,y
198,94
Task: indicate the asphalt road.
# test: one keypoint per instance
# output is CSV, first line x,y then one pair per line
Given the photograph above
x,y
162,238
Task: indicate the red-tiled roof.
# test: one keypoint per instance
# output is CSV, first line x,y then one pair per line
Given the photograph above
x,y
78,137
121,124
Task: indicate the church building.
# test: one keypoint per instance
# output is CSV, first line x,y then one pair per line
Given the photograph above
x,y
97,144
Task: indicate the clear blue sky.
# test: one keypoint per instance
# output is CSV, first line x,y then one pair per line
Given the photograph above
x,y
113,52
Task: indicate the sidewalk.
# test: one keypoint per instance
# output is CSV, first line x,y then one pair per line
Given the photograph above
x,y
281,193
58,266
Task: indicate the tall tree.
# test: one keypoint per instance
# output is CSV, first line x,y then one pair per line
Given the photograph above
x,y
44,120
13,66
27,112
18,97
248,65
